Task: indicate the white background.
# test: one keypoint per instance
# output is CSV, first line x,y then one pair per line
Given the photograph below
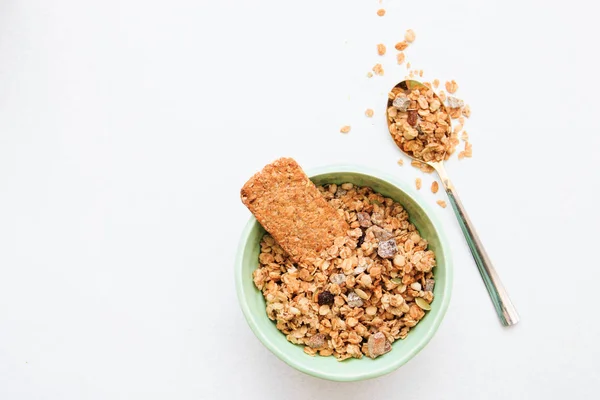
x,y
128,127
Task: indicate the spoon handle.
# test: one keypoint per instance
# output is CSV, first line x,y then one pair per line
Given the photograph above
x,y
504,307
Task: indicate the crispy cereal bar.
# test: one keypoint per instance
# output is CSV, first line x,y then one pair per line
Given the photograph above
x,y
366,290
289,206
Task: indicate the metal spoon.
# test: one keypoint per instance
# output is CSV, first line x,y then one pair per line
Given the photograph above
x,y
506,311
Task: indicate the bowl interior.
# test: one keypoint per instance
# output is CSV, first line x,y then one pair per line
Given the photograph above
x,y
253,303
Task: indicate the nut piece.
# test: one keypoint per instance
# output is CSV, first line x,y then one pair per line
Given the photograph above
x,y
378,345
381,49
345,129
369,112
337,279
451,86
381,234
434,187
410,36
401,103
317,341
364,219
441,203
381,12
354,300
454,102
429,284
387,249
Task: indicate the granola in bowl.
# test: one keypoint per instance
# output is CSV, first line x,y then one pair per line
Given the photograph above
x,y
361,294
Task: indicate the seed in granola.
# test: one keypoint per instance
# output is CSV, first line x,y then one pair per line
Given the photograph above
x,y
418,183
345,129
347,186
441,203
381,49
434,187
451,86
381,12
400,57
361,293
412,117
454,102
422,304
401,103
410,36
316,341
338,279
354,300
429,284
378,345
387,249
415,286
369,112
325,298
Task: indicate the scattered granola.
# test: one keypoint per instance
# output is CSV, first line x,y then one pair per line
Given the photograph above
x,y
345,129
400,57
410,36
441,203
381,49
378,69
435,187
451,86
381,12
466,111
436,83
369,112
418,183
400,162
354,299
369,74
400,46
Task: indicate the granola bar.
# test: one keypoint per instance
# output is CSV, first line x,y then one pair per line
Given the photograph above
x,y
289,206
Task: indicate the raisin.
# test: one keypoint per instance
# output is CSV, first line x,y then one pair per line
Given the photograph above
x,y
325,298
412,117
361,239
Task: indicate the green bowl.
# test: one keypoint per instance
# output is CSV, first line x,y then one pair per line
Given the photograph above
x,y
253,303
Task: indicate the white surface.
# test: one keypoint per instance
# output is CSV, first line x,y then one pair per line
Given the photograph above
x,y
128,127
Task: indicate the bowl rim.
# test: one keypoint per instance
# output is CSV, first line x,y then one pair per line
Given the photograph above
x,y
425,338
